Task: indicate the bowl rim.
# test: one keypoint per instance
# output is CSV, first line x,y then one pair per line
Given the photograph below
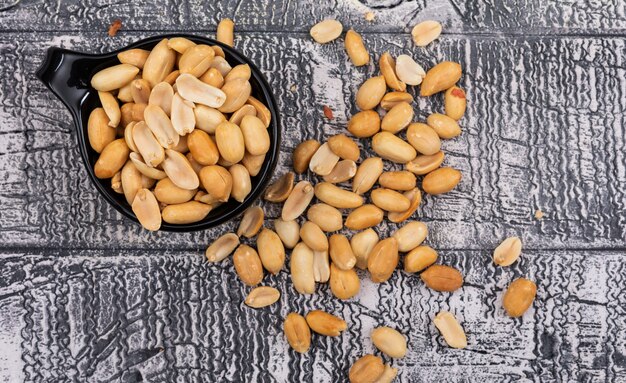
x,y
264,175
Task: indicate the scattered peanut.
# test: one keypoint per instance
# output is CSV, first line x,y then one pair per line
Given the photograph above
x,y
326,31
356,49
368,369
450,329
426,32
297,332
262,296
442,278
507,252
519,297
325,324
389,341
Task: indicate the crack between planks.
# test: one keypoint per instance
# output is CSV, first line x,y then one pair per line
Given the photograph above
x,y
546,33
70,251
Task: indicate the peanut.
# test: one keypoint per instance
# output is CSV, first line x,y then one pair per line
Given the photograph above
x,y
383,259
440,77
455,102
326,217
364,124
445,126
344,284
507,252
370,93
356,49
519,297
326,31
324,323
341,252
364,217
450,329
271,251
367,369
225,32
222,247
442,278
389,341
297,332
248,265
419,258
441,180
426,32
301,267
313,236
262,296
185,213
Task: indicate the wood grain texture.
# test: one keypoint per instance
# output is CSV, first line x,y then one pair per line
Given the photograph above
x,y
86,295
399,16
171,316
542,131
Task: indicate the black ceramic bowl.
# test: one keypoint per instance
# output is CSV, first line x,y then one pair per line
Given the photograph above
x,y
68,75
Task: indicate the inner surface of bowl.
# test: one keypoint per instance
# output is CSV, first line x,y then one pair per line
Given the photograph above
x,y
224,212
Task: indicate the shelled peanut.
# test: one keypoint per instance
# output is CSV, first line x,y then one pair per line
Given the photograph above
x,y
328,215
189,127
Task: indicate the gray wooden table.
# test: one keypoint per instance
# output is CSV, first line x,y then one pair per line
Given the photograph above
x,y
86,295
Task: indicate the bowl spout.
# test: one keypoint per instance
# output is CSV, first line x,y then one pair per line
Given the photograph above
x,y
67,74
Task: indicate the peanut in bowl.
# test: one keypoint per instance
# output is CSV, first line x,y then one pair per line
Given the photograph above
x,y
202,162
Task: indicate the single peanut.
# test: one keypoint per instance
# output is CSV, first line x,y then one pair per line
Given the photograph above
x,y
426,32
389,341
324,323
410,235
364,217
441,180
440,77
302,155
344,284
507,252
271,251
370,93
326,217
442,278
301,267
519,297
455,102
450,329
262,296
297,332
367,369
341,252
419,259
383,260
445,126
356,49
248,265
364,124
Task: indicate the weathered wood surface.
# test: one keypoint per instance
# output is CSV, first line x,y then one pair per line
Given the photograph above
x,y
86,295
543,131
169,316
460,16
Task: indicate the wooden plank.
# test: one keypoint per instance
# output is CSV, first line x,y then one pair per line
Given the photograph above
x,y
171,316
458,16
543,131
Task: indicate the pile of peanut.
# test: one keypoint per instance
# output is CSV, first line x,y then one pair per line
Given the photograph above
x,y
319,253
191,134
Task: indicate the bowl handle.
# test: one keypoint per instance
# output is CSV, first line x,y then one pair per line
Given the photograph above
x,y
67,74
